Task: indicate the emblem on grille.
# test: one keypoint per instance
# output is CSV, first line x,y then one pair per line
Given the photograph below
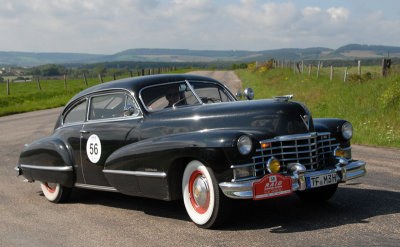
x,y
306,121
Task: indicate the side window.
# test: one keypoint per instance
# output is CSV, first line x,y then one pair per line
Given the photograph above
x,y
107,106
76,114
168,95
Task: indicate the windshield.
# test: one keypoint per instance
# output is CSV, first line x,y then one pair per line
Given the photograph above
x,y
180,94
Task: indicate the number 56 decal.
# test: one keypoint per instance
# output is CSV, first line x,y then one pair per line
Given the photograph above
x,y
93,148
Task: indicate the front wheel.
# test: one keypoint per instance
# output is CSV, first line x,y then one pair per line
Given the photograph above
x,y
319,194
201,195
54,192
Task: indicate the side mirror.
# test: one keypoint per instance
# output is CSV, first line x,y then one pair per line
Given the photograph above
x,y
248,93
239,95
129,110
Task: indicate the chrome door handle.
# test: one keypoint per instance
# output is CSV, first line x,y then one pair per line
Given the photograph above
x,y
84,132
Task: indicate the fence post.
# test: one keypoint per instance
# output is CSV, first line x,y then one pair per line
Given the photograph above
x,y
331,72
65,81
302,66
359,67
84,77
298,67
114,77
319,67
38,82
345,74
385,66
130,73
309,69
8,86
100,78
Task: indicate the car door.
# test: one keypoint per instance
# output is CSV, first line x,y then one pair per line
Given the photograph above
x,y
74,117
104,132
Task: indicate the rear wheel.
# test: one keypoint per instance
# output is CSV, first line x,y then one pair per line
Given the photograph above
x,y
319,194
54,192
202,197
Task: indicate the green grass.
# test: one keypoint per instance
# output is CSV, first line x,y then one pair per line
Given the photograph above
x,y
373,107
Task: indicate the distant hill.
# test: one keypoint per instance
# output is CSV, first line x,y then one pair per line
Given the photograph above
x,y
34,59
351,51
367,51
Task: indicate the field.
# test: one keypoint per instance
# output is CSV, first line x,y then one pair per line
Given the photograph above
x,y
372,105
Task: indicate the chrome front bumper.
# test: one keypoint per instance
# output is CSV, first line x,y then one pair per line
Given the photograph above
x,y
345,170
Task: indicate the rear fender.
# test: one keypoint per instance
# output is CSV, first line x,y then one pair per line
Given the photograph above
x,y
48,160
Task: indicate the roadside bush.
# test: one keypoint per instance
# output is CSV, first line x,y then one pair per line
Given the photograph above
x,y
390,97
356,78
266,66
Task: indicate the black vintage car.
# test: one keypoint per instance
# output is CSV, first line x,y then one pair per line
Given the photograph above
x,y
187,137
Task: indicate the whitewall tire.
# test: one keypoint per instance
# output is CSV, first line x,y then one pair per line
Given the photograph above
x,y
201,195
55,192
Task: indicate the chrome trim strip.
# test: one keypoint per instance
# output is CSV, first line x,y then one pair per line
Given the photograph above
x,y
95,187
49,168
137,173
194,92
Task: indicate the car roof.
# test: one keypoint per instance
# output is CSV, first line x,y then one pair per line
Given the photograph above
x,y
134,84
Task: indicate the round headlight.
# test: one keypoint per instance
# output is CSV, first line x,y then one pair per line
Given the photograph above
x,y
347,130
244,144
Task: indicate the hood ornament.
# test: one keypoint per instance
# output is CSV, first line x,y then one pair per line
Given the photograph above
x,y
284,98
306,121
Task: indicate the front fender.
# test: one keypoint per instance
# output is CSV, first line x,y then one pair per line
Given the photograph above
x,y
49,160
334,126
151,167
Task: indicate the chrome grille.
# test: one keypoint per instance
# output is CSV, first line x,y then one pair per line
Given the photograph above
x,y
313,150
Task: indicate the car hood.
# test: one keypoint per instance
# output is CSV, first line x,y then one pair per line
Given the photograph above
x,y
268,118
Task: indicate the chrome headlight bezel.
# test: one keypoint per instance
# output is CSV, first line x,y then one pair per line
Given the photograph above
x,y
244,144
347,130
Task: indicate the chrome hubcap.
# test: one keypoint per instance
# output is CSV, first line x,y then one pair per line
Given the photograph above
x,y
200,191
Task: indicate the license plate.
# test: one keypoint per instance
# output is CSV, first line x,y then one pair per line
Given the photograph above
x,y
321,180
272,185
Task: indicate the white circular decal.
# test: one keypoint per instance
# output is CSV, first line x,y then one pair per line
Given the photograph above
x,y
93,148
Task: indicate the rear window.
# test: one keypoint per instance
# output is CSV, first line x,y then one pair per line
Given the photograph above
x,y
77,113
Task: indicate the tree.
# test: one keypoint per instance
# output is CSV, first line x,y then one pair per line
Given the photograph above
x,y
100,70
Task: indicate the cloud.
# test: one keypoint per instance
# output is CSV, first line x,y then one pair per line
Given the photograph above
x,y
339,14
109,26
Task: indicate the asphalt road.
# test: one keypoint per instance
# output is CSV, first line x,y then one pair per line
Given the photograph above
x,y
363,212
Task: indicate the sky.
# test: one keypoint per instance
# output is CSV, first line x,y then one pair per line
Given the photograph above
x,y
111,26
